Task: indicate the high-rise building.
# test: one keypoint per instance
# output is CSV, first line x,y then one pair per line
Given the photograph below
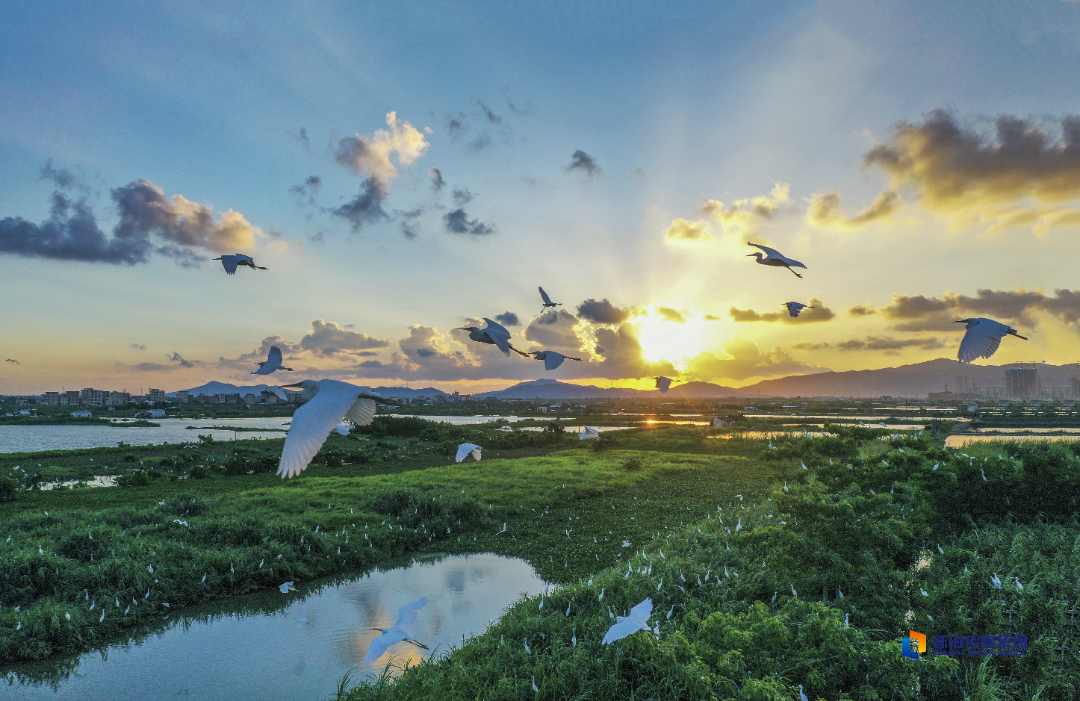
x,y
1021,383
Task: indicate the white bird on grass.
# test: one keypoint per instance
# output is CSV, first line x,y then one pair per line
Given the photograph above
x,y
626,625
794,308
272,363
400,631
982,338
551,359
327,401
589,433
775,258
547,300
466,449
231,260
494,333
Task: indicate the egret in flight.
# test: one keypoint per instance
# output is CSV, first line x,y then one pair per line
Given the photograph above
x,y
466,449
231,260
494,333
625,625
400,632
589,433
12,360
663,383
775,258
272,363
551,359
326,402
547,300
793,308
982,338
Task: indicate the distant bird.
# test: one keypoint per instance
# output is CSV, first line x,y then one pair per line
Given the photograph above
x,y
793,592
494,333
995,581
802,696
793,308
327,401
663,383
466,449
775,258
589,433
551,359
1019,586
625,625
547,300
287,587
400,631
272,363
12,360
982,338
230,260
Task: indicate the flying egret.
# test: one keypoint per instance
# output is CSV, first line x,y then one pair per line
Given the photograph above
x,y
494,333
982,338
327,401
551,359
625,625
663,383
231,260
547,300
400,631
775,258
589,433
287,587
466,449
793,308
272,363
12,360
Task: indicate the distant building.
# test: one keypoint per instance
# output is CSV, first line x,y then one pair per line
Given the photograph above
x,y
83,414
1021,383
269,397
155,395
182,397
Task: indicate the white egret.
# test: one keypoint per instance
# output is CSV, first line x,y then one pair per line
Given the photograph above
x,y
589,433
327,401
466,449
982,338
494,333
802,696
775,258
923,592
400,631
547,300
1019,586
846,620
231,260
793,592
939,549
663,383
995,581
287,587
625,625
272,363
551,359
793,308
839,594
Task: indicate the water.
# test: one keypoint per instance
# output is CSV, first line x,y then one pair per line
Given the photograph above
x,y
271,646
1027,434
15,439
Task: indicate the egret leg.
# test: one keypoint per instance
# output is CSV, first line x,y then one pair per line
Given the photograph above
x,y
793,272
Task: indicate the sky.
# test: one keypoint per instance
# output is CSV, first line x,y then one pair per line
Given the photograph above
x,y
405,169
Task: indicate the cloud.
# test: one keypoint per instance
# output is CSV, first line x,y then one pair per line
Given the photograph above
x,y
713,317
462,196
508,319
307,191
688,231
555,330
583,161
825,210
437,182
861,310
302,137
602,312
408,219
808,346
61,177
151,367
743,217
492,118
327,338
819,313
138,346
177,358
890,345
366,207
921,313
670,314
745,360
458,222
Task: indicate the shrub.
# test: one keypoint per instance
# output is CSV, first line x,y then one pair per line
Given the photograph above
x,y
8,487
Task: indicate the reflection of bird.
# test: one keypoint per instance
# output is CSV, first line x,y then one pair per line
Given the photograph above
x,y
272,363
466,449
400,631
547,300
327,401
494,333
982,338
663,383
287,587
775,258
793,308
588,434
551,359
231,260
625,625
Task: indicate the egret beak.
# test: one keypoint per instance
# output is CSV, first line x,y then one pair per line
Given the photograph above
x,y
750,255
961,321
295,384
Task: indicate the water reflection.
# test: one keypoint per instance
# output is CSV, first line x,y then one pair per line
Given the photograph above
x,y
960,440
294,646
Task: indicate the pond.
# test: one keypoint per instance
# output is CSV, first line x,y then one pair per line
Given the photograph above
x,y
271,646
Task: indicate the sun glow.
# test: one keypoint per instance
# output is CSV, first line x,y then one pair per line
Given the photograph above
x,y
661,339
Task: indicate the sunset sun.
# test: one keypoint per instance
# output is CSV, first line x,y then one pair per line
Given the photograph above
x,y
662,339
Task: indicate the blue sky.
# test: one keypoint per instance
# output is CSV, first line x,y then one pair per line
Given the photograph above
x,y
679,113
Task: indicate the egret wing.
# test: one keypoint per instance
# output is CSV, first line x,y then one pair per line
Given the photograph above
x,y
476,454
641,612
770,252
620,630
544,296
977,343
406,618
363,411
377,647
553,360
265,369
464,449
312,424
274,357
791,261
229,262
663,383
498,335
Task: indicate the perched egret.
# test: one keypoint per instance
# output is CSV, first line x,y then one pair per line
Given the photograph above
x,y
400,632
494,333
995,581
287,587
793,592
272,363
802,696
547,300
775,258
589,433
663,383
982,338
1019,586
551,359
466,449
327,401
625,625
231,260
793,308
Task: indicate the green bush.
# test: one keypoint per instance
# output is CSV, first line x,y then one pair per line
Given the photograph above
x,y
9,486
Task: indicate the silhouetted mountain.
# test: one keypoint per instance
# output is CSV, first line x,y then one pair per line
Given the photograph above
x,y
224,388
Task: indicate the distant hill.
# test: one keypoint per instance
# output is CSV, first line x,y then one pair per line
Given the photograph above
x,y
406,393
553,389
226,388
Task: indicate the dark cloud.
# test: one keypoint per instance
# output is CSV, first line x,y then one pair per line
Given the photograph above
x,y
437,182
808,346
583,161
520,111
144,210
921,313
825,210
307,191
602,312
492,118
745,360
462,196
61,177
302,137
456,126
138,346
366,207
671,314
458,222
151,367
408,220
508,319
177,358
327,338
713,317
819,313
554,330
861,310
480,142
890,345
